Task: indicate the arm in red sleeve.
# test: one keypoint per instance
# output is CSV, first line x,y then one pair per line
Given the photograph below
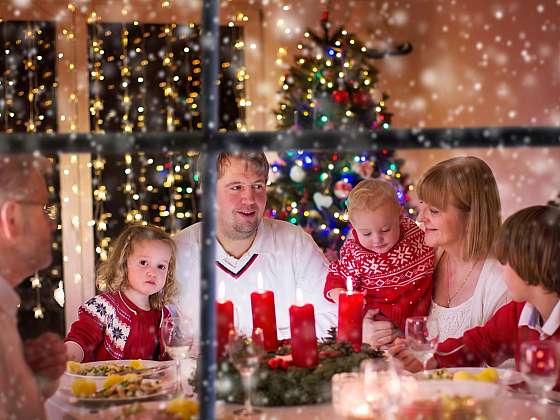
x,y
492,343
87,332
340,270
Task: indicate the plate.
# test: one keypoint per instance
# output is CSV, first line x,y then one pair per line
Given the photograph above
x,y
506,376
67,394
150,410
427,390
167,374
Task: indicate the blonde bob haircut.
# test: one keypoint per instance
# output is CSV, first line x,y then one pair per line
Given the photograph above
x,y
467,183
529,241
112,274
371,194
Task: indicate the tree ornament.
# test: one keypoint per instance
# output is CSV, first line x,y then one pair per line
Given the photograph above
x,y
297,174
341,96
341,189
361,98
322,200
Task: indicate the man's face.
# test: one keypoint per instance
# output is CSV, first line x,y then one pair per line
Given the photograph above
x,y
37,228
241,200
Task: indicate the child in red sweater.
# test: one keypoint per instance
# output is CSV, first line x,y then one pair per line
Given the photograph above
x,y
125,321
528,247
384,255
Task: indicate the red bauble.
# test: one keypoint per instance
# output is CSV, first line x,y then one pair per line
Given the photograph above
x,y
341,96
361,98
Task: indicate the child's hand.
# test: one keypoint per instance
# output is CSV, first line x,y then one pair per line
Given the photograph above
x,y
399,350
377,332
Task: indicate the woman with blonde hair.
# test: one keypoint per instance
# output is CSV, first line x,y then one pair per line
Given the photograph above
x,y
124,321
459,209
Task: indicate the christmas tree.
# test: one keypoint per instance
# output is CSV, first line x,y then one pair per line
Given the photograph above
x,y
333,84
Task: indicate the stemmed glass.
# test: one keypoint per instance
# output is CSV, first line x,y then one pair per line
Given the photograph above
x,y
422,335
177,335
245,354
538,363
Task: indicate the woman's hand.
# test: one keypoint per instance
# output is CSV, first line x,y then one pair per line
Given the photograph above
x,y
399,350
378,331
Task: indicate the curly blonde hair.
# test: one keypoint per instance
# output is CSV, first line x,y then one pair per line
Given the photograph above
x,y
112,274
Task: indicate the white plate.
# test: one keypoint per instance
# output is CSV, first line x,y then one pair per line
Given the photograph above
x,y
149,408
438,388
168,374
506,376
67,394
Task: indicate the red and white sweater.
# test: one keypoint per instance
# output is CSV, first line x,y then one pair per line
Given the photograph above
x,y
111,327
398,282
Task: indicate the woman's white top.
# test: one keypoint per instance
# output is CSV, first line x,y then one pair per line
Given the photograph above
x,y
489,295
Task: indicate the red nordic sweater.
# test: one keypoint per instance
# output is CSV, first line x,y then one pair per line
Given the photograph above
x,y
111,327
399,282
493,343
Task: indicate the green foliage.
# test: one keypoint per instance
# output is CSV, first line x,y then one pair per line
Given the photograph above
x,y
293,386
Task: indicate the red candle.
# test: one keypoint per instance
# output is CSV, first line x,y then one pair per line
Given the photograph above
x,y
224,321
350,317
304,338
264,315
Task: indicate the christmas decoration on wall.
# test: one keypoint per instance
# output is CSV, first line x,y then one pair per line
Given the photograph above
x,y
27,82
332,84
146,77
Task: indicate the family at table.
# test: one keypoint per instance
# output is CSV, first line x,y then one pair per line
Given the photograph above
x,y
488,286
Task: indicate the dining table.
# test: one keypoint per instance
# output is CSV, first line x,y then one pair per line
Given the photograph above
x,y
510,406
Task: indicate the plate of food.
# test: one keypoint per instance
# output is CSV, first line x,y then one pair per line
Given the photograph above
x,y
502,376
177,409
436,389
116,389
98,372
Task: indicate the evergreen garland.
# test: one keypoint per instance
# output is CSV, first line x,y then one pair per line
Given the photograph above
x,y
283,385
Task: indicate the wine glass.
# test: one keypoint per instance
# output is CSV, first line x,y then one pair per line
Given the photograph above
x,y
422,334
539,366
177,335
245,354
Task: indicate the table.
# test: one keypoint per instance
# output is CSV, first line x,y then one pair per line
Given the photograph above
x,y
510,407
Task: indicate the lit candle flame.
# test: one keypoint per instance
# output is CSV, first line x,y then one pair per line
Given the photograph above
x,y
221,290
299,297
260,282
349,284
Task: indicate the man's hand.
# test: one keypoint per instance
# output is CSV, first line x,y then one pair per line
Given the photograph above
x,y
377,330
46,355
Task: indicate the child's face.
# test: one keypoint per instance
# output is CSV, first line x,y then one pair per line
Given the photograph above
x,y
148,265
377,230
515,284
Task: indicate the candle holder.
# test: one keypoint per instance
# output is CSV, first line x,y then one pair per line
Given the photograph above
x,y
348,397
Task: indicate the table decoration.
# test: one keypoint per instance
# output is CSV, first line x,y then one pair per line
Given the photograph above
x,y
279,382
302,330
350,315
224,320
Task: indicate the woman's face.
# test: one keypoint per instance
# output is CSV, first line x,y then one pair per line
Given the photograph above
x,y
443,228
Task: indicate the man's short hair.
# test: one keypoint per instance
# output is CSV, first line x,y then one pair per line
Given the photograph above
x,y
370,194
254,160
15,170
529,241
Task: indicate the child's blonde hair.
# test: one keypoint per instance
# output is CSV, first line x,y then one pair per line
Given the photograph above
x,y
112,274
529,241
370,194
467,183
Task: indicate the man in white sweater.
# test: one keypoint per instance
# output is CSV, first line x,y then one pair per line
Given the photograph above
x,y
248,245
28,372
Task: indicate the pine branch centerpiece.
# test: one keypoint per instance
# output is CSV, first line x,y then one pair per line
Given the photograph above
x,y
279,383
